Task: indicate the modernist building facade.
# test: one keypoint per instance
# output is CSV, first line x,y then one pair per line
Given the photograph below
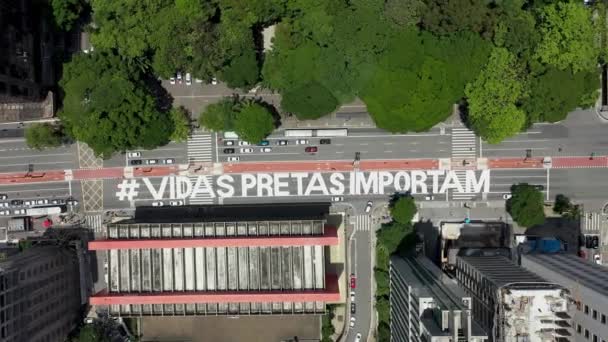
x,y
274,266
514,304
426,305
39,295
588,286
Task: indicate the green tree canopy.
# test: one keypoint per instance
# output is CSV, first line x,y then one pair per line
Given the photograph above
x,y
421,77
562,204
108,106
555,93
493,98
242,71
448,16
67,12
181,124
567,36
220,116
310,101
43,135
403,210
253,122
526,205
403,13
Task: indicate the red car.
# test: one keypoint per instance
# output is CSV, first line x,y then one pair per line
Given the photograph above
x,y
311,149
353,281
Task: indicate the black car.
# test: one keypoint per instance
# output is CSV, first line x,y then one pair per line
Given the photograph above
x,y
228,151
325,141
3,196
587,241
16,202
595,242
540,187
136,162
353,308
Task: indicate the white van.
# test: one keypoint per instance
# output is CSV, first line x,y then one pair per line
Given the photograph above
x,y
230,135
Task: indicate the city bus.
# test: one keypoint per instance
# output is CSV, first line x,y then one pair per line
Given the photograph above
x,y
42,211
305,133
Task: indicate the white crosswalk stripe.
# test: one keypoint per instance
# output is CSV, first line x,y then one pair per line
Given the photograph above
x,y
94,222
463,143
462,196
200,147
363,222
592,223
201,198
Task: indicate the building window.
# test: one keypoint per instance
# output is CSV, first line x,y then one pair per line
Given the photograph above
x,y
579,328
594,338
594,314
586,309
603,319
586,334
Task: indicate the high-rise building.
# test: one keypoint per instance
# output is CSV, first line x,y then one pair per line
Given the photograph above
x,y
40,297
588,286
427,305
514,304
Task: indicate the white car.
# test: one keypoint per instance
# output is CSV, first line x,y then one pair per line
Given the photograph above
x,y
247,150
169,161
214,81
157,204
4,205
301,142
198,80
3,196
358,337
172,80
429,197
266,149
5,212
71,202
597,258
29,203
42,201
337,199
19,212
506,196
282,142
244,143
233,159
352,296
176,203
352,321
134,154
228,142
151,161
188,79
55,201
368,207
179,77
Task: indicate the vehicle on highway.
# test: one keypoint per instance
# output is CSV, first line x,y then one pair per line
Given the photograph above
x,y
3,196
247,150
157,204
5,212
325,141
353,281
28,202
337,199
429,197
298,133
55,201
352,296
16,202
176,203
597,258
264,143
339,132
301,142
368,207
151,161
169,161
136,162
233,159
42,201
282,142
244,143
188,79
266,149
228,142
595,242
506,196
311,149
134,154
71,202
352,321
353,308
230,135
19,212
172,80
539,187
358,337
228,151
42,211
179,77
4,205
214,81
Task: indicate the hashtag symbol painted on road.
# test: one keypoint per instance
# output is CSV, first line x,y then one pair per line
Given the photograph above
x,y
127,189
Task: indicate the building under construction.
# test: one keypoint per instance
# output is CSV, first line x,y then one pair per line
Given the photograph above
x,y
514,304
218,266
